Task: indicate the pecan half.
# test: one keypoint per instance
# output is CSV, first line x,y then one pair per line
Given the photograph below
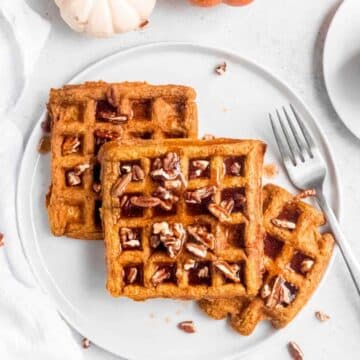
x,y
231,272
198,250
121,184
284,224
295,351
160,275
219,212
71,145
115,119
187,326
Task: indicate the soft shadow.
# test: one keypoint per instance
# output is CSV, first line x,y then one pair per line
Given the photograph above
x,y
318,70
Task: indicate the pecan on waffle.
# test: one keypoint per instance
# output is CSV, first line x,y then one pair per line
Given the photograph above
x,y
191,227
296,255
86,116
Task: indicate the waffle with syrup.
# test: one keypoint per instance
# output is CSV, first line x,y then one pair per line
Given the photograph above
x,y
182,219
296,255
86,116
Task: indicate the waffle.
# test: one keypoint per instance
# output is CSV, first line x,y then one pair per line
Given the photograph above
x,y
191,226
86,116
295,258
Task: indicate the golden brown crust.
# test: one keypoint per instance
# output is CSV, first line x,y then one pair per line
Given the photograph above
x,y
152,111
305,239
248,254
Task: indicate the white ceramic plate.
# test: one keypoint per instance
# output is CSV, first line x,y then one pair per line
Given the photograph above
x,y
342,64
73,271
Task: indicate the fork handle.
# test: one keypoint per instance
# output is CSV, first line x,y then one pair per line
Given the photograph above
x,y
350,260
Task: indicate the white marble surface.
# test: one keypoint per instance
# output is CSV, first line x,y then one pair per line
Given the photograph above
x,y
285,36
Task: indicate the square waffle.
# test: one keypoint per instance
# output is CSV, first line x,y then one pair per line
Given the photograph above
x,y
188,225
86,116
296,255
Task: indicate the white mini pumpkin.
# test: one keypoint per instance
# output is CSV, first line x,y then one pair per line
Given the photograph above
x,y
103,18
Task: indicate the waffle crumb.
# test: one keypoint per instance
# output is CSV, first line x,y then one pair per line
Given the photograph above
x,y
270,171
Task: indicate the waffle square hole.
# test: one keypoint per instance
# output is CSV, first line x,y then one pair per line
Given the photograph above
x,y
142,109
165,273
97,214
130,238
237,235
128,209
72,144
143,135
200,274
103,136
301,263
73,178
199,168
73,113
234,165
105,112
134,274
272,246
238,196
199,208
290,215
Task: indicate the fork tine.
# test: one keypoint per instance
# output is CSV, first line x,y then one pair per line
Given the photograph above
x,y
288,139
281,144
298,141
308,138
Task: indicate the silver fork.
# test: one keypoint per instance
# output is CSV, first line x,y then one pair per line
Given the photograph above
x,y
306,169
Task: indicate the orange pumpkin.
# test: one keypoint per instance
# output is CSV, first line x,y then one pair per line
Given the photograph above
x,y
207,3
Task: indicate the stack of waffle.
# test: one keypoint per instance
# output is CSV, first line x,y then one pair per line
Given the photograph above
x,y
180,217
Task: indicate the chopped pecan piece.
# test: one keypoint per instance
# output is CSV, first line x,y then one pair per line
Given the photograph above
x,y
305,194
203,272
284,224
295,351
172,184
198,250
97,187
265,291
321,316
1,239
306,265
171,236
221,68
219,212
72,179
189,264
198,168
80,169
144,201
280,293
137,173
196,196
131,275
202,235
208,137
228,205
71,145
129,238
160,275
187,326
44,145
85,343
121,184
231,272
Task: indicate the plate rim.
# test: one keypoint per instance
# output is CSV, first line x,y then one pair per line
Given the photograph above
x,y
229,53
325,65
